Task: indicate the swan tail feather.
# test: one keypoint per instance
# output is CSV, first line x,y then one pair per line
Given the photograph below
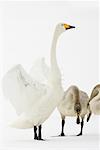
x,y
21,124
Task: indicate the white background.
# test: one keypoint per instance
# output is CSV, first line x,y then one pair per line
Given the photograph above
x,y
27,30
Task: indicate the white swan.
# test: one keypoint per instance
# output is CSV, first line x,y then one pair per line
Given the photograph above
x,y
34,101
74,103
94,102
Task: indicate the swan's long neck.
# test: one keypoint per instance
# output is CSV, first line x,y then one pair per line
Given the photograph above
x,y
53,51
54,66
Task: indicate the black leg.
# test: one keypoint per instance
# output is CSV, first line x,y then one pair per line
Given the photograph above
x,y
62,131
35,132
78,120
40,134
82,124
89,115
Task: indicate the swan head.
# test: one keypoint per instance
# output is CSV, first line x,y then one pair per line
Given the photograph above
x,y
62,27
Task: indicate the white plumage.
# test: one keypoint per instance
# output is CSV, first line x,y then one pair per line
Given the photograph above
x,y
40,71
21,89
35,96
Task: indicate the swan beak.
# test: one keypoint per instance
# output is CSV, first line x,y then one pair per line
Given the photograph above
x,y
72,27
66,26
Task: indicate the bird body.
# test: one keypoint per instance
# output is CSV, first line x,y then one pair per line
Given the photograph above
x,y
66,106
95,106
94,101
74,103
35,101
40,111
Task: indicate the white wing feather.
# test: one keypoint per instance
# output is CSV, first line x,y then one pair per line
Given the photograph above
x,y
21,89
40,71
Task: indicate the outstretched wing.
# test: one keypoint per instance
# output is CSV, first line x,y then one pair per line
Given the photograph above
x,y
40,71
21,89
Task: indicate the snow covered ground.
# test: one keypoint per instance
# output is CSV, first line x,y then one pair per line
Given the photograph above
x,y
18,139
87,142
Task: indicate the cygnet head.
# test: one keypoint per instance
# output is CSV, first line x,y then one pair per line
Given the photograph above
x,y
62,27
77,109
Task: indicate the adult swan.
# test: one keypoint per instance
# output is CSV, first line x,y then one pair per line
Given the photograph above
x,y
34,102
